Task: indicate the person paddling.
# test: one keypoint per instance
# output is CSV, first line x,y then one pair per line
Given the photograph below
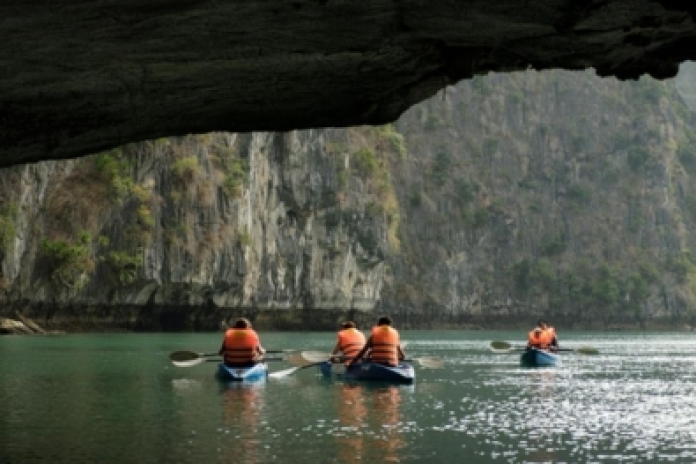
x,y
350,342
384,344
542,337
553,343
241,346
538,338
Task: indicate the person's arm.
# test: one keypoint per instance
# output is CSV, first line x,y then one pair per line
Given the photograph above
x,y
337,348
222,348
401,354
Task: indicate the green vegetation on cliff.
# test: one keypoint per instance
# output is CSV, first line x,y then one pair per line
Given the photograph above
x,y
503,198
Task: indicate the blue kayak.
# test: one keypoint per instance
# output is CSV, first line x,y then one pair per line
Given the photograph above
x,y
539,358
402,373
256,372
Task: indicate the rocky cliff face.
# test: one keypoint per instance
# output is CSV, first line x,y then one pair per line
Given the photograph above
x,y
501,199
274,223
553,194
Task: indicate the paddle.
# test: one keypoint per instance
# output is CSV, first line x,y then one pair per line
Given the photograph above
x,y
189,355
191,358
319,357
505,347
292,370
197,361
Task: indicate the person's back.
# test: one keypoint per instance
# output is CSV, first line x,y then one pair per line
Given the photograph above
x,y
538,338
551,333
350,341
241,346
385,345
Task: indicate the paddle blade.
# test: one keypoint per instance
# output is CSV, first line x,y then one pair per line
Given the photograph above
x,y
498,345
284,373
292,370
190,362
587,350
314,356
181,356
431,362
306,357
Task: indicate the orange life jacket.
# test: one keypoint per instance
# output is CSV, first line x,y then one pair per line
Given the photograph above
x,y
351,341
539,338
240,346
385,342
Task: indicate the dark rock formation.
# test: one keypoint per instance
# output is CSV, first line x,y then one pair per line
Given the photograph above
x,y
78,77
21,325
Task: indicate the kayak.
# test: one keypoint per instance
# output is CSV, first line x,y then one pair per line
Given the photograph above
x,y
402,373
539,358
253,373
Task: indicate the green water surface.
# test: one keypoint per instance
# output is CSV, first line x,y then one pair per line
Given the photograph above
x,y
116,398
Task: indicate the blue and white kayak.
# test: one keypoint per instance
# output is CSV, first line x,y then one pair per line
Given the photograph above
x,y
534,357
253,373
402,373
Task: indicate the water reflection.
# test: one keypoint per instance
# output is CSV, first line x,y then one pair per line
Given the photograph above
x,y
242,405
371,426
542,387
541,382
634,402
352,415
386,420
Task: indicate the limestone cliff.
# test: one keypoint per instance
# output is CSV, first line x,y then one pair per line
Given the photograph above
x,y
501,199
553,194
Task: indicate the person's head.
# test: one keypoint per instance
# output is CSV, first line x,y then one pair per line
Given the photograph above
x,y
348,325
242,323
542,323
384,320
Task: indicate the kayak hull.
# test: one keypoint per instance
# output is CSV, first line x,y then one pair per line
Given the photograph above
x,y
539,358
253,373
402,373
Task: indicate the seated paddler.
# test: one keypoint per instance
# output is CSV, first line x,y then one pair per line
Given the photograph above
x,y
241,346
384,344
553,338
348,344
539,338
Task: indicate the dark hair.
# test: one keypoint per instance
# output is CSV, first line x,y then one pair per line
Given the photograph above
x,y
541,321
348,325
384,320
242,323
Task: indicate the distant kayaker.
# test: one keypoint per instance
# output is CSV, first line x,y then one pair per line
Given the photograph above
x,y
539,339
384,344
543,325
349,342
241,346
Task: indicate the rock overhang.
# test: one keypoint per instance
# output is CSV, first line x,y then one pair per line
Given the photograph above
x,y
81,76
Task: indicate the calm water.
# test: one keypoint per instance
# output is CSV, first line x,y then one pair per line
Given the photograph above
x,y
116,398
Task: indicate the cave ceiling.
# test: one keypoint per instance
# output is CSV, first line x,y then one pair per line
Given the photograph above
x,y
78,77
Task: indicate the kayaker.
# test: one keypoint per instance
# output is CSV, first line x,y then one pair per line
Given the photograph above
x,y
349,342
384,344
241,346
543,325
538,338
